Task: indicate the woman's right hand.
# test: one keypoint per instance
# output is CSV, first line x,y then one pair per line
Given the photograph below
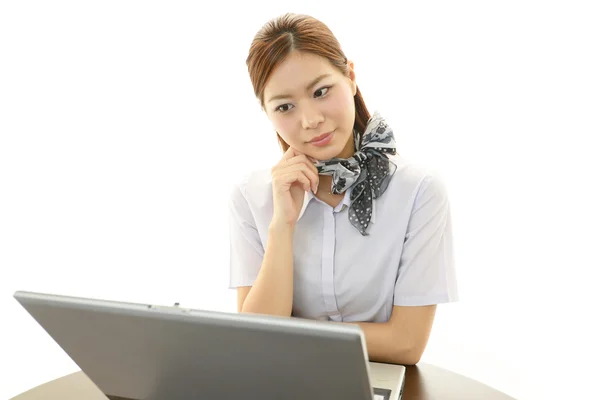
x,y
293,175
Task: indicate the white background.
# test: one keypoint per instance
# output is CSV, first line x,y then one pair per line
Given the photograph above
x,y
124,124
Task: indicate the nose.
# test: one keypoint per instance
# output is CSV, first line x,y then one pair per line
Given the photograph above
x,y
311,117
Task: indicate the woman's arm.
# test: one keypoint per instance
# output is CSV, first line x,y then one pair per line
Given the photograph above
x,y
403,338
273,291
426,275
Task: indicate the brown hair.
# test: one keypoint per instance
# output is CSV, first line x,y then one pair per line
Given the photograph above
x,y
284,34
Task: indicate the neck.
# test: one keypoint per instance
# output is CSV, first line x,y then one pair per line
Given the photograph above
x,y
347,152
349,149
325,183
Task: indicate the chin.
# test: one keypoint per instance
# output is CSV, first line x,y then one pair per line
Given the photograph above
x,y
325,153
333,150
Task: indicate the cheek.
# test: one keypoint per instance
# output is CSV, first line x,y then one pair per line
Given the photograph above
x,y
284,126
342,107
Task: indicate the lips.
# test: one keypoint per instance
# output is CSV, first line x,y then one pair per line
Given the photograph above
x,y
319,138
323,139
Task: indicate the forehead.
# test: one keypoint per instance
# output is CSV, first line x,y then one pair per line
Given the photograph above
x,y
295,72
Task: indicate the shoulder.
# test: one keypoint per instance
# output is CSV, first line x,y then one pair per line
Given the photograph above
x,y
252,190
415,181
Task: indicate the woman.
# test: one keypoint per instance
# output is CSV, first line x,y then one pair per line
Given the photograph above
x,y
341,229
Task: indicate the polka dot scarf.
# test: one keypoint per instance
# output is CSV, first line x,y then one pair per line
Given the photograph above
x,y
368,171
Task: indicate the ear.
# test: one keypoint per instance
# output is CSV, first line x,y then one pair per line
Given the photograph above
x,y
352,76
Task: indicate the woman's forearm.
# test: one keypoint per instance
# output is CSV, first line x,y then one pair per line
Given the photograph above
x,y
273,290
383,345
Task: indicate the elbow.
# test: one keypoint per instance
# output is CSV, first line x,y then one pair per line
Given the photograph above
x,y
412,359
408,355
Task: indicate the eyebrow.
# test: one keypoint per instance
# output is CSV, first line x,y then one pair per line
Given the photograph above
x,y
311,84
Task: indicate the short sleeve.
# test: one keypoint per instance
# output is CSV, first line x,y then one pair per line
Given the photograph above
x,y
245,247
426,274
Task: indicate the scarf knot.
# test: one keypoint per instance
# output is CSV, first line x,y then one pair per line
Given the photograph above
x,y
367,172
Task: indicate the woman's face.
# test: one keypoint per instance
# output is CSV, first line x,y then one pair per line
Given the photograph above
x,y
311,105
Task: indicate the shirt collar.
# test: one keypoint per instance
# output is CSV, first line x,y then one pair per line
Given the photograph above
x,y
308,196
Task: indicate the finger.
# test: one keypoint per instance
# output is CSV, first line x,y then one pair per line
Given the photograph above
x,y
290,177
301,177
286,163
308,170
290,153
314,175
304,159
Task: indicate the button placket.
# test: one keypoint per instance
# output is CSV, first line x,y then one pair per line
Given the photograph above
x,y
328,263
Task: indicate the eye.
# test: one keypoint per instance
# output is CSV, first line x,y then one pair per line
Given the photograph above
x,y
323,89
278,108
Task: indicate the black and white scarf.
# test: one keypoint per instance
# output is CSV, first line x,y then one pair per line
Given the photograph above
x,y
367,172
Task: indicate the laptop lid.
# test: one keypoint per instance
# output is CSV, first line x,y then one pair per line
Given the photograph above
x,y
136,351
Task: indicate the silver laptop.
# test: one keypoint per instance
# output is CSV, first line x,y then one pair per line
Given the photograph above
x,y
147,352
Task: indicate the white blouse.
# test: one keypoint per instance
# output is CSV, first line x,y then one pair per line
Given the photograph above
x,y
339,275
